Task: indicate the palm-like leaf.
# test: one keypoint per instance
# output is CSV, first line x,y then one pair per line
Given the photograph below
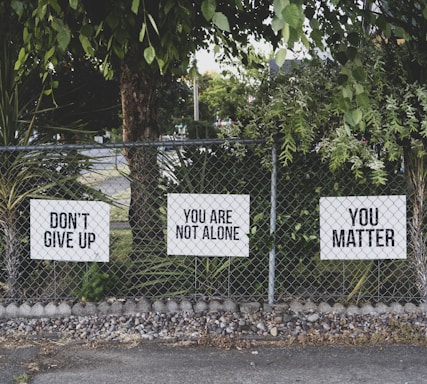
x,y
28,172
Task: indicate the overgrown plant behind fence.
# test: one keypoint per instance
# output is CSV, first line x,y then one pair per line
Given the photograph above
x,y
56,249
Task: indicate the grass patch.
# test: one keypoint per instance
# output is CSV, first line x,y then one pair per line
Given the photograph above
x,y
119,213
122,195
120,244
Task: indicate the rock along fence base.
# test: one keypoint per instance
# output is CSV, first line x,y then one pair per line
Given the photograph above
x,y
131,307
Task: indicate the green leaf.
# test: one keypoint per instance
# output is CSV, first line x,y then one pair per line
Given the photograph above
x,y
87,30
362,100
63,37
87,46
294,36
17,66
99,28
341,57
26,35
314,23
317,36
49,54
161,65
280,57
353,38
53,4
277,24
149,54
22,55
169,5
286,33
18,7
58,24
40,11
221,21
279,6
208,9
74,4
354,117
118,50
304,41
153,23
135,6
113,20
401,32
351,53
292,15
359,88
359,74
142,32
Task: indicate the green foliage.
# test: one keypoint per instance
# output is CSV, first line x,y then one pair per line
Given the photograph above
x,y
217,169
146,32
329,145
288,20
225,96
25,112
175,276
21,379
176,106
85,97
355,114
159,33
95,284
296,109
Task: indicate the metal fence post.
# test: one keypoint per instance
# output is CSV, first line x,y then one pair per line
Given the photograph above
x,y
273,198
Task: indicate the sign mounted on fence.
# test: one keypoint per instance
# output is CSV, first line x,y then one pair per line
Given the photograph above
x,y
69,230
208,225
363,227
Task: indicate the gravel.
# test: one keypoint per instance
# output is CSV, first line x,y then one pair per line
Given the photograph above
x,y
289,323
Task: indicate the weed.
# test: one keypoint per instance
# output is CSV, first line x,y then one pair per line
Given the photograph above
x,y
21,379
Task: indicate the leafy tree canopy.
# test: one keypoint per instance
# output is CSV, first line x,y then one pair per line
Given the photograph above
x,y
161,34
223,96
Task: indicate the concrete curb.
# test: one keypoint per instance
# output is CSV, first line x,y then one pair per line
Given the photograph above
x,y
130,307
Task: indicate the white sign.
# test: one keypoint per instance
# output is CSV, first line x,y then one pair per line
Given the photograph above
x,y
208,225
363,227
69,230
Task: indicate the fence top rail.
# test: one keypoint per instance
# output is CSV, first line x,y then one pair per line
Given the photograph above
x,y
158,144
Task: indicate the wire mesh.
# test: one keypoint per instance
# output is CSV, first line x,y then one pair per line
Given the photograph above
x,y
135,181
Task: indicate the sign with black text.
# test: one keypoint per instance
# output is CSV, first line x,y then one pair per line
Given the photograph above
x,y
208,225
363,227
69,230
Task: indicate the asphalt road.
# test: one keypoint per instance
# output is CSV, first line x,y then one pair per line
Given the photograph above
x,y
153,363
15,360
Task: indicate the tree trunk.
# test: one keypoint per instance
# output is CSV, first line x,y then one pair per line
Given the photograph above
x,y
417,240
138,89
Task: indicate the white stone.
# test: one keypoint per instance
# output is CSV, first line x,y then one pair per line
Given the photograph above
x,y
353,310
324,308
313,317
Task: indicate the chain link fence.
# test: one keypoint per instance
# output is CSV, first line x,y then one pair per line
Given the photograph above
x,y
191,219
